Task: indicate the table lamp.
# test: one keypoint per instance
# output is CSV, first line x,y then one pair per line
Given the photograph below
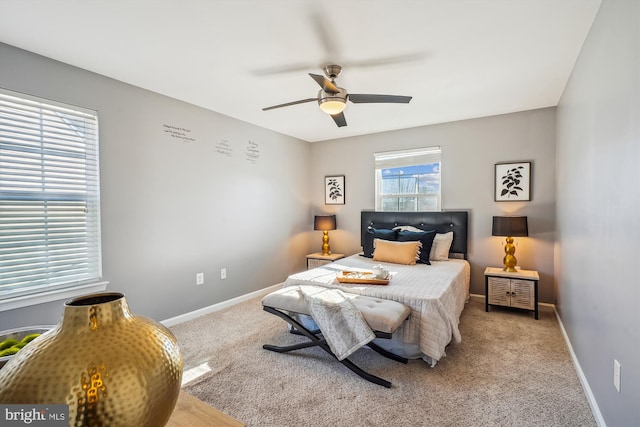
x,y
325,223
510,226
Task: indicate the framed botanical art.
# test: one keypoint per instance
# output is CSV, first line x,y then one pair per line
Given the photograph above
x,y
513,182
334,190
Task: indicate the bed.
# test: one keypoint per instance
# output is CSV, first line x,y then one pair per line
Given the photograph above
x,y
436,293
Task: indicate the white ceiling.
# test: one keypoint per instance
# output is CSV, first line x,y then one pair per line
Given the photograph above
x,y
459,59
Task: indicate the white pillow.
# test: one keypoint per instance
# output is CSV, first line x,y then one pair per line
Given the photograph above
x,y
408,228
440,247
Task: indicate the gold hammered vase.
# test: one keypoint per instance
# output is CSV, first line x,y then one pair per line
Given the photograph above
x,y
112,368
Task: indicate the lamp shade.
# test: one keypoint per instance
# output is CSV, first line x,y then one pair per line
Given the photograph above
x,y
510,226
324,222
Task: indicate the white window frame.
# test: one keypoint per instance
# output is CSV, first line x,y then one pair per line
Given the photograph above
x,y
50,246
404,158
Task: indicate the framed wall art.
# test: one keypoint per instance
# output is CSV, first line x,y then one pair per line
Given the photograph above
x,y
513,182
334,190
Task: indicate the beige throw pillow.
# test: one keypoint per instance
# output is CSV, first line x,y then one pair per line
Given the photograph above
x,y
396,252
440,247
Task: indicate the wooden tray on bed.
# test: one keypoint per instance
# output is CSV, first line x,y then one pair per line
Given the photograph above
x,y
363,277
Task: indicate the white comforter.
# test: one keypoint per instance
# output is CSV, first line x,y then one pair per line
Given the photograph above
x,y
435,293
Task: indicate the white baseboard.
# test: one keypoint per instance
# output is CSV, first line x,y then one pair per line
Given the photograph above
x,y
595,410
476,297
219,306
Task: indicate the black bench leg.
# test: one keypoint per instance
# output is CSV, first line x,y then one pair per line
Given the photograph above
x,y
288,348
315,340
364,374
375,347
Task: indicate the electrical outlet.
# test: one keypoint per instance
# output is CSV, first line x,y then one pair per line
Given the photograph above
x,y
616,374
223,273
199,278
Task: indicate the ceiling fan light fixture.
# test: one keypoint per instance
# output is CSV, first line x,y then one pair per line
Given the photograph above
x,y
331,106
332,103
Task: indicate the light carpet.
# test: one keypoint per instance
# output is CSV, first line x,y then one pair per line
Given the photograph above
x,y
509,370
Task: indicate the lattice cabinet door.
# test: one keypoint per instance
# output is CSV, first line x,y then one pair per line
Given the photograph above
x,y
522,294
499,291
318,260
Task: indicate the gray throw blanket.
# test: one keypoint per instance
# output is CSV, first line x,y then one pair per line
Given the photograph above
x,y
340,321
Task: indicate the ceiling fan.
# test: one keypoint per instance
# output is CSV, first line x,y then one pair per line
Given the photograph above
x,y
333,99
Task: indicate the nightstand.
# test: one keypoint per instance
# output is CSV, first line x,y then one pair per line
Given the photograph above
x,y
317,259
518,289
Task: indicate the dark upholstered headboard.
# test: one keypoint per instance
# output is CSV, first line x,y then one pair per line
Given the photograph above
x,y
442,222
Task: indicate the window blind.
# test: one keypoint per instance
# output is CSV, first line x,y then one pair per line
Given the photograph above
x,y
49,196
401,158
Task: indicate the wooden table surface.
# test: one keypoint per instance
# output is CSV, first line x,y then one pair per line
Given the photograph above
x,y
192,412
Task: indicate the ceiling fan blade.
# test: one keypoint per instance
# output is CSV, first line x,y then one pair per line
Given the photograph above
x,y
325,83
339,119
302,101
411,57
357,98
321,24
320,20
291,68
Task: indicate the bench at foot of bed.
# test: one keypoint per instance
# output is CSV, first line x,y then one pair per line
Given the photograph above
x,y
382,316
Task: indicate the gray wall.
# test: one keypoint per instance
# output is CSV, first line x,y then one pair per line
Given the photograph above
x,y
598,139
171,208
470,150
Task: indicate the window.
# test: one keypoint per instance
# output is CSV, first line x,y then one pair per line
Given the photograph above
x,y
408,180
49,199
